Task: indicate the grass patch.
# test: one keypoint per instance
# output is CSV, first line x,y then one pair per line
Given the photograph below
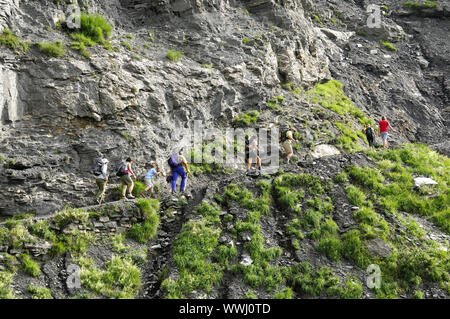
x,y
69,215
40,292
192,251
389,46
56,49
148,229
275,103
246,119
121,279
174,56
29,266
7,38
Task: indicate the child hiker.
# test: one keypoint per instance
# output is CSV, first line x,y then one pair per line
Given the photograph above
x,y
148,180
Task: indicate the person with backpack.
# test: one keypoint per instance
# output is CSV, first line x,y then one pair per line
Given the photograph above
x,y
148,180
178,164
383,127
251,153
369,135
287,137
101,178
125,172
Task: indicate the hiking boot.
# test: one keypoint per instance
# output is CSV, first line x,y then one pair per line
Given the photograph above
x,y
131,196
124,198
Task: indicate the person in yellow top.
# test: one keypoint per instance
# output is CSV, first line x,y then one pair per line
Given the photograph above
x,y
287,143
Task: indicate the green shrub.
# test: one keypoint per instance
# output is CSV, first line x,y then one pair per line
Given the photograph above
x,y
286,293
77,242
95,28
341,178
29,266
8,39
210,212
148,206
68,215
56,49
193,248
6,278
352,290
246,119
120,279
331,247
174,55
389,46
145,231
58,248
419,6
42,229
224,254
354,250
126,45
40,292
356,196
308,282
275,103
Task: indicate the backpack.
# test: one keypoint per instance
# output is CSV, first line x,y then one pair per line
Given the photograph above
x,y
97,170
369,132
283,136
172,162
121,169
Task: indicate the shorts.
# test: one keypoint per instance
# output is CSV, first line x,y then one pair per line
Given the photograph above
x,y
126,179
253,155
370,140
384,136
287,145
148,182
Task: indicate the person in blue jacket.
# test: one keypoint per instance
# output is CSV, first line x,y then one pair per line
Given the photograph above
x,y
178,164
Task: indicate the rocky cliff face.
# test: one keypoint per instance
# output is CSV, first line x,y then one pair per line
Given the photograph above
x,y
58,114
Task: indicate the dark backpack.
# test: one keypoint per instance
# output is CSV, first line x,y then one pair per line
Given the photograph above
x,y
369,132
172,162
121,169
283,136
97,170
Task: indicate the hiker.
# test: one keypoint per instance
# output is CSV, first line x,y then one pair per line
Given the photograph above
x,y
178,164
126,179
101,178
251,153
383,126
369,135
148,180
287,138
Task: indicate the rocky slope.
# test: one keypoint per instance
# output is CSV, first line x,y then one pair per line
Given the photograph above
x,y
128,99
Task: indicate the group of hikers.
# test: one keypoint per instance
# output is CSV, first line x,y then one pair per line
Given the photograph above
x,y
179,166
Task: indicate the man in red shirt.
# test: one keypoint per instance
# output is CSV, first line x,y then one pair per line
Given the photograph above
x,y
384,125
